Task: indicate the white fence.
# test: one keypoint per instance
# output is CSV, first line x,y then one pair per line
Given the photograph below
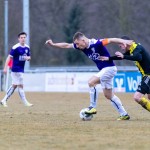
x,y
65,79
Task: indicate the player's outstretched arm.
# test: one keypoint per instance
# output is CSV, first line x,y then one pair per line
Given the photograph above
x,y
119,41
59,45
117,57
6,63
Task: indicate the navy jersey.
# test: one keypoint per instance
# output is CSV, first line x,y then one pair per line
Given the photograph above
x,y
141,57
94,51
17,53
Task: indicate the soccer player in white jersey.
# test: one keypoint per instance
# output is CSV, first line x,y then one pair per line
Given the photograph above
x,y
20,53
93,49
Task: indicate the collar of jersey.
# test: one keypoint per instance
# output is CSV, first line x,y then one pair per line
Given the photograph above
x,y
89,43
22,45
132,47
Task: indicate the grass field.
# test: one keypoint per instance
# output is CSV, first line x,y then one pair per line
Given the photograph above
x,y
53,123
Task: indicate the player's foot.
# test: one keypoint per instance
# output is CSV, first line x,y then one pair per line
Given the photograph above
x,y
28,104
126,117
3,104
90,111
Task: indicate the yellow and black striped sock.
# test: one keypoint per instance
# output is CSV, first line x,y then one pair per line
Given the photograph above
x,y
145,103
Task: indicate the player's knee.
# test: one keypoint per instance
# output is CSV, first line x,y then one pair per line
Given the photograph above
x,y
14,86
108,96
20,86
91,84
136,98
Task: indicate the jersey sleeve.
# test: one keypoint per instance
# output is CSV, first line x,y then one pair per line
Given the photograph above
x,y
29,52
74,46
104,42
114,58
11,53
136,56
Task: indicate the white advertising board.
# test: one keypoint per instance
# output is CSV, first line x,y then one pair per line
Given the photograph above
x,y
34,82
67,82
77,82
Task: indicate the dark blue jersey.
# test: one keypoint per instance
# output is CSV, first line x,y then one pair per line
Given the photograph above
x,y
94,51
17,53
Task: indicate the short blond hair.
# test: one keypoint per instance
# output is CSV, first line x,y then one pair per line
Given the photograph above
x,y
78,35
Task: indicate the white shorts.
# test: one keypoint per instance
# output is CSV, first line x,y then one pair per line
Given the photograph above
x,y
106,76
17,78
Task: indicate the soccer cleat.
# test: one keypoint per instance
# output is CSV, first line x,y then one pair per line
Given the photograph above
x,y
91,111
126,117
3,104
28,104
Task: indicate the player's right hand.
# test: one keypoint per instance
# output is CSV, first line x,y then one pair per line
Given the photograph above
x,y
49,42
5,70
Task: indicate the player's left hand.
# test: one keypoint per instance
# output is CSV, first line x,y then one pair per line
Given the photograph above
x,y
27,58
104,58
119,54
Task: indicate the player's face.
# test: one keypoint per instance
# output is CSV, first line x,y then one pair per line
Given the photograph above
x,y
22,39
123,47
80,43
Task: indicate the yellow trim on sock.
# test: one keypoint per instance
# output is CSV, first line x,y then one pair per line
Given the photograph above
x,y
145,103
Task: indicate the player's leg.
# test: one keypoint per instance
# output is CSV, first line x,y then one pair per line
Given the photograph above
x,y
9,92
144,102
117,104
93,81
107,84
143,88
22,96
96,79
11,89
21,90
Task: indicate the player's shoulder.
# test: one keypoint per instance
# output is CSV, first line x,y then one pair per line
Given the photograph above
x,y
19,45
94,41
27,46
16,46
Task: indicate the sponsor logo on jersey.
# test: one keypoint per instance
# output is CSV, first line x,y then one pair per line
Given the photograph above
x,y
26,50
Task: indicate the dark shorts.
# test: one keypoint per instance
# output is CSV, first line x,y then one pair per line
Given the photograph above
x,y
144,86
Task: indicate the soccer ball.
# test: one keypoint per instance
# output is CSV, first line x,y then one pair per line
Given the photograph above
x,y
85,117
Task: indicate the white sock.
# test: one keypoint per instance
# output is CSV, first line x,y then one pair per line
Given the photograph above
x,y
10,91
115,101
93,96
22,95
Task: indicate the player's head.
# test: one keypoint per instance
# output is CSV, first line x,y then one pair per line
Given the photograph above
x,y
80,40
22,37
125,37
123,46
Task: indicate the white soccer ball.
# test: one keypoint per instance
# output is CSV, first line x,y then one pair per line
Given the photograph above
x,y
85,117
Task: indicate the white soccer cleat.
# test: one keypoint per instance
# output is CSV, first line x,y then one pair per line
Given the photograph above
x,y
28,104
3,104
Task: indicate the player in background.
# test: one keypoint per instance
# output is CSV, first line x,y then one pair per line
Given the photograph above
x,y
20,53
93,49
135,52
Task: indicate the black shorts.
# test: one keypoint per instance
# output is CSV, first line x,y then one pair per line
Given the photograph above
x,y
144,86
